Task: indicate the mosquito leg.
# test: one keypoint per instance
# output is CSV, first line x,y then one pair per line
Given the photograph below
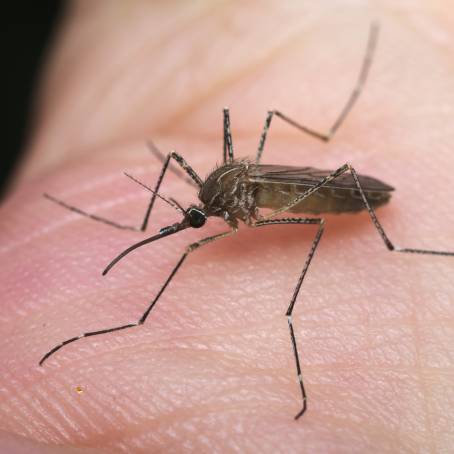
x,y
320,223
141,321
337,173
162,157
362,77
185,166
89,215
266,127
228,144
181,162
354,95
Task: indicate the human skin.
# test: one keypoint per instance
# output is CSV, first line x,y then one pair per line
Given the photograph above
x,y
212,370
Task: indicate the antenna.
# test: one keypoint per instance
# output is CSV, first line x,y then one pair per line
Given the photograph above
x,y
173,203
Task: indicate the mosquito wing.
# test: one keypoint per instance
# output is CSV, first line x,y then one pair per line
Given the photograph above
x,y
310,176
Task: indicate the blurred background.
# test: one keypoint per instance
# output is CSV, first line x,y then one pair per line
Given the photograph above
x,y
27,32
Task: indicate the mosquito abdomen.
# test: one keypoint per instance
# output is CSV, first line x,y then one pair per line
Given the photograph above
x,y
325,200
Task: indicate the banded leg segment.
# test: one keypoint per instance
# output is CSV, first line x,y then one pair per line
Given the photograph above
x,y
162,157
228,143
337,173
145,315
315,242
354,95
73,339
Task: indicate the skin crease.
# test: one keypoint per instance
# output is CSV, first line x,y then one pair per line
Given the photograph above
x,y
212,370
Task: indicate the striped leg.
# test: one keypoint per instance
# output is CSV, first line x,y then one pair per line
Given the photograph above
x,y
373,36
145,315
228,144
162,157
303,221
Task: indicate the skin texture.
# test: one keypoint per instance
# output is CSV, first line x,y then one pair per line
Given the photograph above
x,y
212,370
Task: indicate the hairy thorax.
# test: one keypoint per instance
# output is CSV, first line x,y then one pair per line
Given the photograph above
x,y
228,193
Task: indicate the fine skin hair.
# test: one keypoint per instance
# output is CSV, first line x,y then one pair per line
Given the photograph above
x,y
212,370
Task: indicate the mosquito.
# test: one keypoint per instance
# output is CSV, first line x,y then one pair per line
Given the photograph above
x,y
238,189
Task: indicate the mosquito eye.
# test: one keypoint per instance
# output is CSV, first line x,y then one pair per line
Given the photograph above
x,y
197,218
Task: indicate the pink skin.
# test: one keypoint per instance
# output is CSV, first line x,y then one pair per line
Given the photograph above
x,y
212,369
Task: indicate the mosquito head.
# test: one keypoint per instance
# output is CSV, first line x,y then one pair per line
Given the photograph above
x,y
196,217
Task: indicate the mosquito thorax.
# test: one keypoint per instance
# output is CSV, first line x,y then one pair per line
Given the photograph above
x,y
226,192
196,217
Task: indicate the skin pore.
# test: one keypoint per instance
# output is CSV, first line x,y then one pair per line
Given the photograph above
x,y
212,369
